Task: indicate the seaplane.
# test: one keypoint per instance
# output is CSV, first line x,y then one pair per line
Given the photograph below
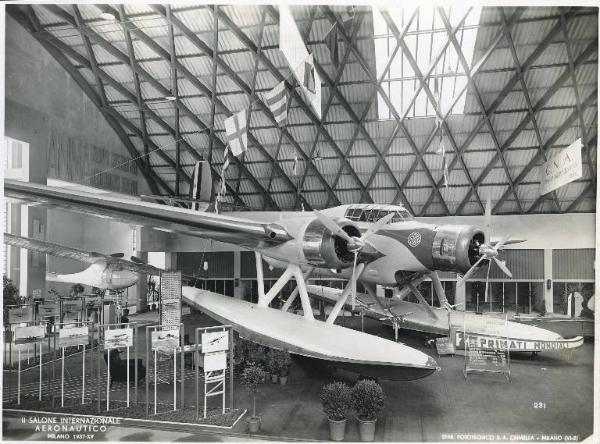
x,y
107,271
374,244
488,330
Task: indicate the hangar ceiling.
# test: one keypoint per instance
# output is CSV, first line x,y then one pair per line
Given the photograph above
x,y
521,83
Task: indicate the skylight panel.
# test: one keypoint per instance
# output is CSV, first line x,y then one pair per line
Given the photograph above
x,y
428,45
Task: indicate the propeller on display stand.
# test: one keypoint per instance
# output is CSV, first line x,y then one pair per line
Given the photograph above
x,y
488,251
354,244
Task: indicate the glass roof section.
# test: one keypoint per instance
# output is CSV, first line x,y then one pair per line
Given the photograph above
x,y
428,44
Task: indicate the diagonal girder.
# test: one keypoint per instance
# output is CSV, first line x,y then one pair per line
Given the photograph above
x,y
480,103
202,46
589,189
251,99
414,65
332,86
114,51
520,71
399,120
532,163
546,41
334,91
542,197
244,39
584,137
525,90
377,88
175,93
136,82
523,124
369,104
27,18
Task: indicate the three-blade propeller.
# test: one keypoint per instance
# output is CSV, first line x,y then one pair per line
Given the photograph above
x,y
355,244
488,251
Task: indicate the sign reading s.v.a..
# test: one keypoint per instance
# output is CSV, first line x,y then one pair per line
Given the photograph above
x,y
561,169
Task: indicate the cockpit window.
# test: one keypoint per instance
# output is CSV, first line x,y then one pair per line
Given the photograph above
x,y
373,215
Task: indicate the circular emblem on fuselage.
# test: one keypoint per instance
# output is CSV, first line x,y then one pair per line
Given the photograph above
x,y
414,239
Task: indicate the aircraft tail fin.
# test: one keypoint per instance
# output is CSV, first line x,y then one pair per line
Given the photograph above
x,y
202,184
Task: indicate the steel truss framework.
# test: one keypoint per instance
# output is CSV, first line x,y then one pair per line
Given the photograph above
x,y
166,171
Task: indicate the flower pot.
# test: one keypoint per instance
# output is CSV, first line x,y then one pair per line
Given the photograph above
x,y
337,429
253,424
367,429
274,378
283,380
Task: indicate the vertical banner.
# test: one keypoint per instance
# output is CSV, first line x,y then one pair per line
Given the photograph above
x,y
299,60
170,294
561,169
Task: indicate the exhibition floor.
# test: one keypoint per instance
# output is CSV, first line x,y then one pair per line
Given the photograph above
x,y
549,394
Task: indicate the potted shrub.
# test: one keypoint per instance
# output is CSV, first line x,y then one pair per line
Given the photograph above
x,y
336,399
252,377
281,365
271,365
367,400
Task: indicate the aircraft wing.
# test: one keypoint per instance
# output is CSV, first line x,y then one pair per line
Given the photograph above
x,y
76,254
241,231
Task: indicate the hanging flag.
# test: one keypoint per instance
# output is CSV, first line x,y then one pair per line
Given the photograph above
x,y
331,41
277,100
295,164
445,170
438,97
347,14
225,162
237,133
293,49
309,74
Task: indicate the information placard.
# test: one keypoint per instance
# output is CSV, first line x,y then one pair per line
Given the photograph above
x,y
215,341
166,340
73,336
118,337
445,346
48,309
31,333
72,309
215,361
17,315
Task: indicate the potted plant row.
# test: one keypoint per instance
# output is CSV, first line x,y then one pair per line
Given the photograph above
x,y
366,398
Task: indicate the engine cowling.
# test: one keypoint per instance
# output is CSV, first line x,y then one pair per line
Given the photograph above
x,y
116,278
456,247
323,249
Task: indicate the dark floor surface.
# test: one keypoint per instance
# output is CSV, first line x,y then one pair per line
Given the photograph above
x,y
442,407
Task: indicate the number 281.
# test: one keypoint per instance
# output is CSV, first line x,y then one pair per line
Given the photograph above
x,y
539,405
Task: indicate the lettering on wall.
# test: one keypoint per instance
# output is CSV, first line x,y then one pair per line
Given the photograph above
x,y
74,160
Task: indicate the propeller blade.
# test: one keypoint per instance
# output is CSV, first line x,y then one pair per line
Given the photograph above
x,y
487,281
502,266
500,244
378,225
488,217
353,297
333,226
117,255
470,272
